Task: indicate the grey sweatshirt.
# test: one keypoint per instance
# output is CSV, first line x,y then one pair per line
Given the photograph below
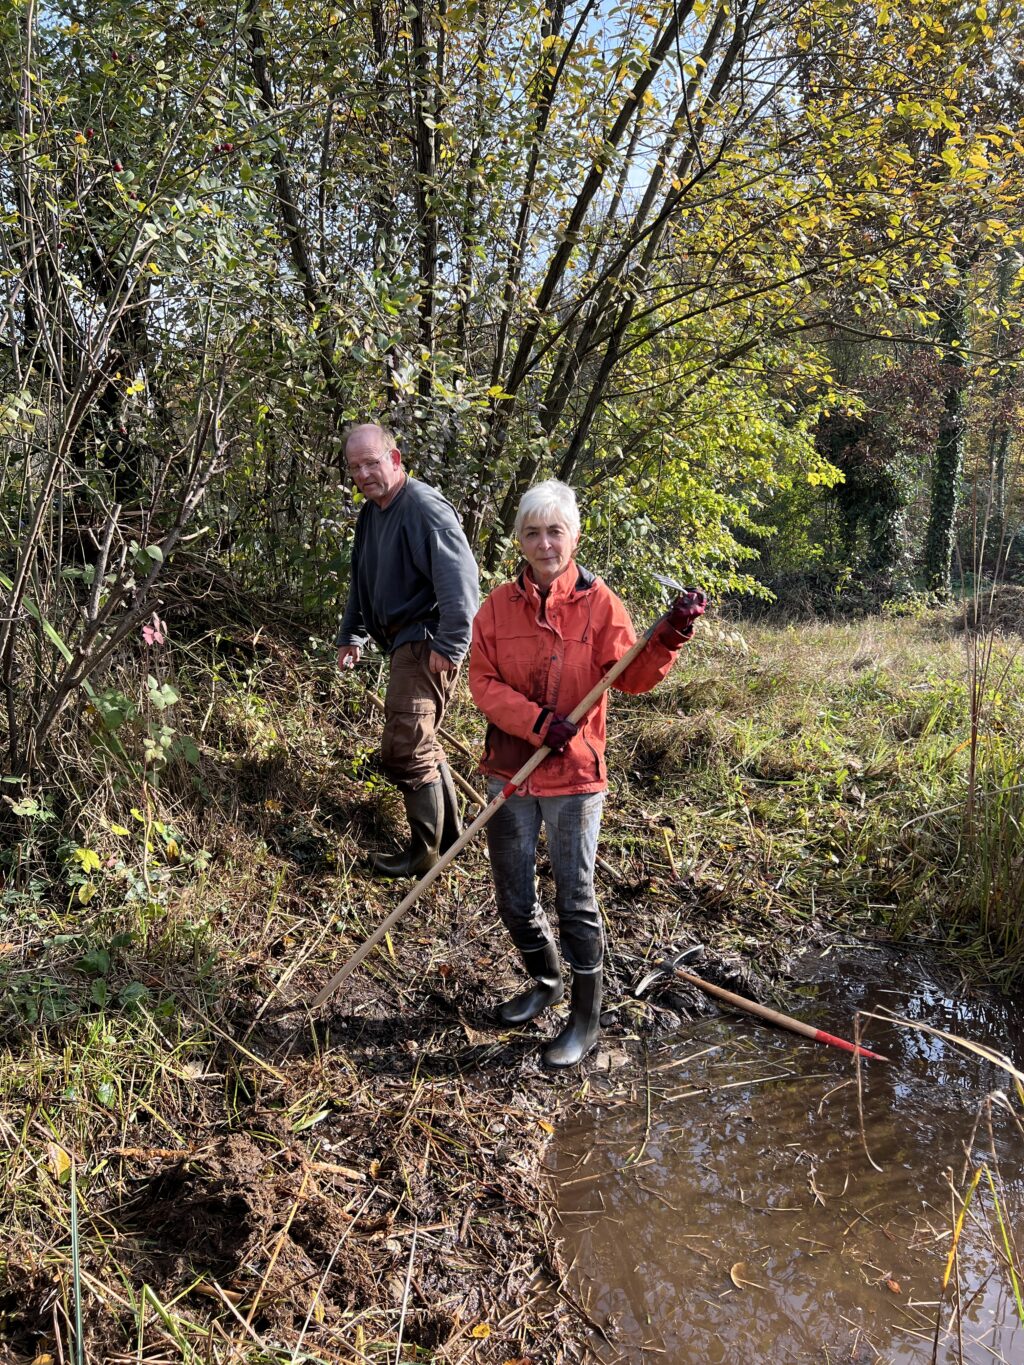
x,y
413,575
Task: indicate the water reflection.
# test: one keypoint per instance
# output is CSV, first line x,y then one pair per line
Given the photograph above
x,y
743,1220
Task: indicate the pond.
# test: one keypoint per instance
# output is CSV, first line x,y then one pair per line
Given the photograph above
x,y
728,1196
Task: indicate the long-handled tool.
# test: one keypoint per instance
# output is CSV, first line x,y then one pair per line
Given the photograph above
x,y
740,1002
534,761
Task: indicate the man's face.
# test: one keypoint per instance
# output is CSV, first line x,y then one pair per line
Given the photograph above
x,y
376,469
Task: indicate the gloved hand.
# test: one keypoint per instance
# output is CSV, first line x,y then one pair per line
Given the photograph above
x,y
681,617
560,732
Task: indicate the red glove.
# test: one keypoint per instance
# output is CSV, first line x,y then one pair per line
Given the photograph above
x,y
683,613
560,732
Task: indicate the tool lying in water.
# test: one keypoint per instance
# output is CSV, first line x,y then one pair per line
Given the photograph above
x,y
673,968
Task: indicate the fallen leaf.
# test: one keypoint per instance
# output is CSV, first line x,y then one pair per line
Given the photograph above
x,y
545,1126
60,1162
738,1276
475,1037
481,1331
893,1285
611,1058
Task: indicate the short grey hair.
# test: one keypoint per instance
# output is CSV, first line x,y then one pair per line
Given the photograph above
x,y
547,500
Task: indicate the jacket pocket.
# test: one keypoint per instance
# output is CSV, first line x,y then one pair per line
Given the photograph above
x,y
596,759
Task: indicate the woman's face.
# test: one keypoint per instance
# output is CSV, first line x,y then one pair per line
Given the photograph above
x,y
547,545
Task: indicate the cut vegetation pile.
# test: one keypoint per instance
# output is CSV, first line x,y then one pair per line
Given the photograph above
x,y
369,1185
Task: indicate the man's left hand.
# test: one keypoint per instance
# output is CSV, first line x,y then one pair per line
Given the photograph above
x,y
439,664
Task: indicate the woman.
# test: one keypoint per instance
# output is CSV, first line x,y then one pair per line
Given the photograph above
x,y
540,643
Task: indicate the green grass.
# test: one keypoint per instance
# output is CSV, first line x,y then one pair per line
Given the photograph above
x,y
832,763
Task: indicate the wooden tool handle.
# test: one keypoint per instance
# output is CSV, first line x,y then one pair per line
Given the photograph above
x,y
786,1021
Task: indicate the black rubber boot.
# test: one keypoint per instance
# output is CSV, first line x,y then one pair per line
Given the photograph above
x,y
547,989
452,826
424,807
584,1026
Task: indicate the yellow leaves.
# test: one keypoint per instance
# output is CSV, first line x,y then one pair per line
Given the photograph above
x,y
60,1162
80,139
86,892
481,1331
87,859
545,1127
120,830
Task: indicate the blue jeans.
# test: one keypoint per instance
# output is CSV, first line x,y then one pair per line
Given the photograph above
x,y
572,824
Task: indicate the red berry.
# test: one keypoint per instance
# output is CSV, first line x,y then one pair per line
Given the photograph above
x,y
88,132
118,166
227,147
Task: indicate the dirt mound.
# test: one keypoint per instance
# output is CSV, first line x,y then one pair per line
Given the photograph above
x,y
233,1223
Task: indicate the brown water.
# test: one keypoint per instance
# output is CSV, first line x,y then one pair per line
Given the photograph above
x,y
733,1152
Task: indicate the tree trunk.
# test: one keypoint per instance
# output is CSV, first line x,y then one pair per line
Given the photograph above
x,y
947,470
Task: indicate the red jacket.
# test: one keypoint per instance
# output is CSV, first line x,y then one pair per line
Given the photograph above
x,y
532,659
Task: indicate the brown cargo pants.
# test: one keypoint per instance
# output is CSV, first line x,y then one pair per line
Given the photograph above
x,y
414,708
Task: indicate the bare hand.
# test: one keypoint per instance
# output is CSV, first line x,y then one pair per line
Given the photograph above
x,y
348,656
439,664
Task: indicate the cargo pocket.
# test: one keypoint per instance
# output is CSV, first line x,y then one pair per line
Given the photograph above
x,y
408,747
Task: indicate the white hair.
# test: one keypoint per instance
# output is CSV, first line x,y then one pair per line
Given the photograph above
x,y
547,501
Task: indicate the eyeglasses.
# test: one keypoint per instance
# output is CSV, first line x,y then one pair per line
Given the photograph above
x,y
365,467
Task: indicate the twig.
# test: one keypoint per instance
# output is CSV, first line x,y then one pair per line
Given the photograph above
x,y
405,1296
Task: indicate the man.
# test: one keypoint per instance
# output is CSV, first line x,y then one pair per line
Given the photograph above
x,y
414,590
